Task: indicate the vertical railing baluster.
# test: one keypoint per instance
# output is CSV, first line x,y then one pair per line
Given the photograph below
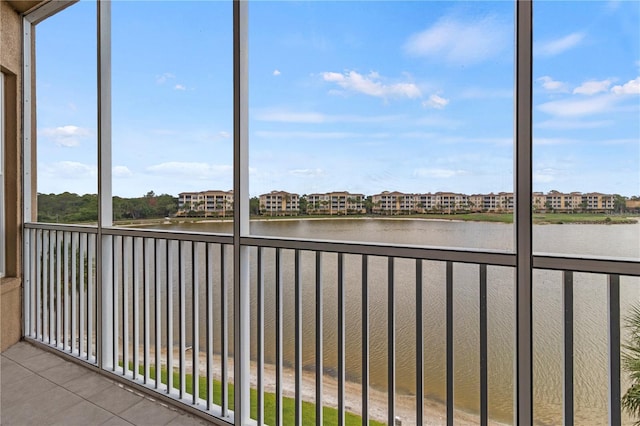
x,y
169,283
91,255
182,319
279,335
224,329
81,296
209,322
39,284
52,280
319,340
74,289
365,340
146,271
195,341
116,248
127,253
613,308
484,386
66,288
158,313
391,343
33,282
567,355
45,287
59,285
449,326
260,336
341,340
136,306
298,339
419,346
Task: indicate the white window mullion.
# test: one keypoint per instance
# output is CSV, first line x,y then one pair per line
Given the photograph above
x,y
105,200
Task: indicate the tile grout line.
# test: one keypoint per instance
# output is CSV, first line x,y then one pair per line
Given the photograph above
x,y
120,385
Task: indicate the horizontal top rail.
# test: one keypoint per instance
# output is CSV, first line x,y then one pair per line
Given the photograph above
x,y
197,237
579,263
462,255
89,229
599,265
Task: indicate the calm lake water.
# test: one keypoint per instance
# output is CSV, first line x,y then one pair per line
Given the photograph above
x,y
590,334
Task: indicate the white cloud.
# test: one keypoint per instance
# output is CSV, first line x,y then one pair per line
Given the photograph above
x,y
573,124
121,172
461,42
632,87
307,172
593,87
276,72
436,102
560,45
68,136
438,173
162,78
179,87
192,170
224,135
579,107
69,170
305,135
288,116
372,85
552,85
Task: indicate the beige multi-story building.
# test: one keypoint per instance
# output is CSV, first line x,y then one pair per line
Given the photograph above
x,y
449,202
597,202
538,201
338,203
394,203
280,203
206,203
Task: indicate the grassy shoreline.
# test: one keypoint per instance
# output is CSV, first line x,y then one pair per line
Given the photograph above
x,y
538,218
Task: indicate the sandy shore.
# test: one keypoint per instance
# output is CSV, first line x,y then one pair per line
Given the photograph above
x,y
434,411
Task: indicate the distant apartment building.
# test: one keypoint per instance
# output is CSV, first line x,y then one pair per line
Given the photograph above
x,y
279,203
448,202
336,203
502,202
595,201
401,203
206,203
538,201
575,201
394,203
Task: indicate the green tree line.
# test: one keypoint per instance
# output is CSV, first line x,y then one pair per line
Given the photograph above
x,y
73,208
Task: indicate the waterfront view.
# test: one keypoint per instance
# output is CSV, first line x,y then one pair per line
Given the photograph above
x,y
590,322
388,192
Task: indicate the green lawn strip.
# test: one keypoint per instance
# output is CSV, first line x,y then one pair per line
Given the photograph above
x,y
330,415
560,218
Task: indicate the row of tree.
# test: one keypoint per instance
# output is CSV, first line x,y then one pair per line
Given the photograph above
x,y
73,208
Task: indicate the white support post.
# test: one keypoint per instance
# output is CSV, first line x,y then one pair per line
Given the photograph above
x,y
241,290
27,278
105,216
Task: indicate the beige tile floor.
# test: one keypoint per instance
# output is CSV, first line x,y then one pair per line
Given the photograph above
x,y
40,388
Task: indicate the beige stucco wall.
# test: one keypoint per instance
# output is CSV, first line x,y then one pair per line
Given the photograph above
x,y
10,65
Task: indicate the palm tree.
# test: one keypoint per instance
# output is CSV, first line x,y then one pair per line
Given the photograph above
x,y
631,363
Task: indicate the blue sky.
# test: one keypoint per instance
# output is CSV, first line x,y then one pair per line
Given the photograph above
x,y
359,96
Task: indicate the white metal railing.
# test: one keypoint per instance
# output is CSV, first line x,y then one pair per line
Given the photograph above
x,y
172,323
